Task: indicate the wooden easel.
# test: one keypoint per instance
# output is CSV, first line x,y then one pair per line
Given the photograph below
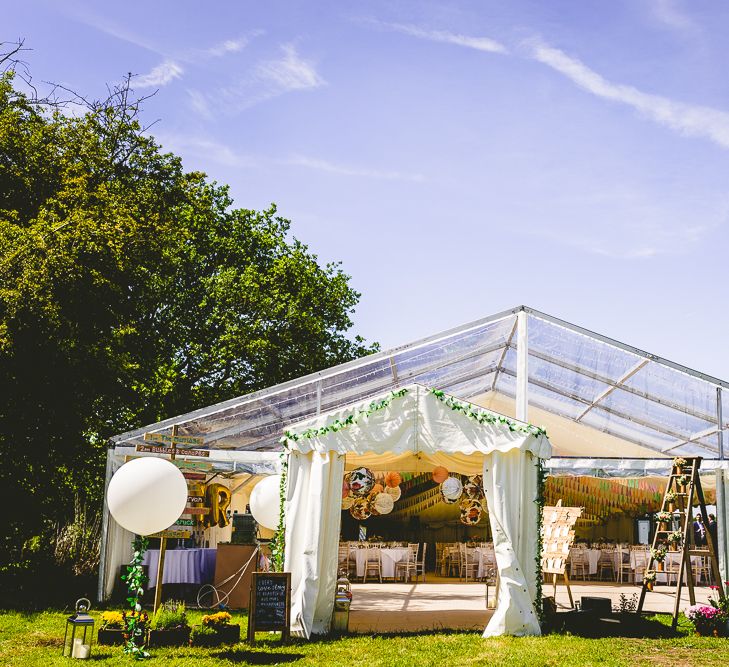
x,y
558,536
684,506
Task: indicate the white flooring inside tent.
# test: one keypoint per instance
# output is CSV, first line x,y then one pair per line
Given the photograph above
x,y
442,603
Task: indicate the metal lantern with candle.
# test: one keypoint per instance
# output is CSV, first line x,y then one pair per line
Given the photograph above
x,y
77,646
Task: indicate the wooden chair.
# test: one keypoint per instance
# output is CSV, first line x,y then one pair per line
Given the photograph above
x,y
469,563
420,563
578,563
373,563
408,567
343,559
606,563
623,554
454,560
639,557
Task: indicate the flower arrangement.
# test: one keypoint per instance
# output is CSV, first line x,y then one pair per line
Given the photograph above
x,y
663,517
216,620
112,620
658,554
683,481
671,497
679,462
675,538
649,579
706,619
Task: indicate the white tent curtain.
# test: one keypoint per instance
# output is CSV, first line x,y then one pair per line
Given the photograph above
x,y
416,422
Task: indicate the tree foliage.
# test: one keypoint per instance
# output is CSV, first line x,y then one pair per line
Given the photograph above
x,y
131,290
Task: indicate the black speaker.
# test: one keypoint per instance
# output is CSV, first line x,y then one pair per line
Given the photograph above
x,y
597,606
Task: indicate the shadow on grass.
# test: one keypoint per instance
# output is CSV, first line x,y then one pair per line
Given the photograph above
x,y
632,626
257,658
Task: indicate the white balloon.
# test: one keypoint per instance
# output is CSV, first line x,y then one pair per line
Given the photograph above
x,y
264,501
147,495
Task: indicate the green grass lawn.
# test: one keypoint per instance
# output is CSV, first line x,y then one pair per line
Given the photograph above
x,y
35,639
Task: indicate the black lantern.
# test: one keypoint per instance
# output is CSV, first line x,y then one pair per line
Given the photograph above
x,y
77,646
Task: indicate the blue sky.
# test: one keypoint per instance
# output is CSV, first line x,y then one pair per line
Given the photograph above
x,y
459,158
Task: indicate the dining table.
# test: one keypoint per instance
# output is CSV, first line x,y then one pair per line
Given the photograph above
x,y
182,566
389,557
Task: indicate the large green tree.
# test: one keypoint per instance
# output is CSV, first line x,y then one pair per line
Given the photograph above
x,y
132,290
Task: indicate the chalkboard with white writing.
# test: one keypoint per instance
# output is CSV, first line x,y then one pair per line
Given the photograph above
x,y
270,605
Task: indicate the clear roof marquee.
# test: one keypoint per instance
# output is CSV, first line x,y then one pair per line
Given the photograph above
x,y
602,393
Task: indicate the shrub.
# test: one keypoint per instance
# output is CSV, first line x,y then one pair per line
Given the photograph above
x,y
204,635
170,616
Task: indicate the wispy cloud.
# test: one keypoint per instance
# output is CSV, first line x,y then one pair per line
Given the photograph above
x,y
346,170
670,14
443,36
208,149
164,73
290,72
687,119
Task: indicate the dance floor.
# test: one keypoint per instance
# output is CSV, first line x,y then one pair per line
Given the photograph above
x,y
442,603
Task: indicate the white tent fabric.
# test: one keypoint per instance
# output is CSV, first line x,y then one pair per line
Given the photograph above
x,y
417,422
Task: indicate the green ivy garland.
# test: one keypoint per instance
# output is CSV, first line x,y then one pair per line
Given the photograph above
x,y
540,500
485,416
135,580
278,541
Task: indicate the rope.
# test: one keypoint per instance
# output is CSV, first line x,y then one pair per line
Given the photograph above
x,y
220,598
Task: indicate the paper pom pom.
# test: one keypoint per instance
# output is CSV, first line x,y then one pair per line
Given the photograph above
x,y
348,502
440,474
345,488
451,490
393,479
474,487
361,481
394,491
383,503
471,512
377,488
360,509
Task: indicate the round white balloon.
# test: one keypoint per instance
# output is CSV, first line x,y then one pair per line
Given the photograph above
x,y
264,501
147,495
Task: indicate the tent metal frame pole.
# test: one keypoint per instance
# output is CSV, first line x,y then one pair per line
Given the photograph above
x,y
522,367
721,500
719,423
100,592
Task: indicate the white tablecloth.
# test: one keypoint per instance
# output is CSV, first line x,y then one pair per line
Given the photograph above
x,y
486,556
592,556
182,566
388,559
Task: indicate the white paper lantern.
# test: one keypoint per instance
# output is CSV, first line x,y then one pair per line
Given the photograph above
x,y
147,495
451,490
265,500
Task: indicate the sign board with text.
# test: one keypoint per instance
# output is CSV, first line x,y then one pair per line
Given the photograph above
x,y
178,440
270,605
151,449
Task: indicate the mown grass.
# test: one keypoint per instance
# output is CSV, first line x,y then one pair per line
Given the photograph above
x,y
35,639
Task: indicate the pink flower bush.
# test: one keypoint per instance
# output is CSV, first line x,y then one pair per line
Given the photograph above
x,y
706,619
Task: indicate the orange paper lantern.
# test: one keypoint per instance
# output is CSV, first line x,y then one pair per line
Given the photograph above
x,y
440,474
377,488
393,479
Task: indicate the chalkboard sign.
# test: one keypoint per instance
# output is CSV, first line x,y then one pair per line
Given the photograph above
x,y
270,605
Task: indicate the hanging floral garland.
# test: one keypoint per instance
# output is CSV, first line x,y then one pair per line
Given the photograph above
x,y
278,541
136,619
539,500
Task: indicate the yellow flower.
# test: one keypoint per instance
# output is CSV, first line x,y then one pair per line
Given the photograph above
x,y
221,618
112,619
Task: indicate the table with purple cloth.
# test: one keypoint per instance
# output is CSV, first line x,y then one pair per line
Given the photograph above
x,y
182,566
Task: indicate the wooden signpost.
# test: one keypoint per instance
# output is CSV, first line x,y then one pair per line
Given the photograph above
x,y
269,609
170,447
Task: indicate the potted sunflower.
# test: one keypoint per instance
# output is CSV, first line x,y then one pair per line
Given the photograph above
x,y
170,626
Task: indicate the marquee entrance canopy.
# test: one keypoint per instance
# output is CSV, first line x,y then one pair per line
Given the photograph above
x,y
439,429
595,396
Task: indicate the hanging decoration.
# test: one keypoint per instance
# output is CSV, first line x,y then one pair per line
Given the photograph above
x,y
360,509
383,503
471,511
473,488
451,490
348,502
377,488
345,487
393,480
361,481
393,491
440,474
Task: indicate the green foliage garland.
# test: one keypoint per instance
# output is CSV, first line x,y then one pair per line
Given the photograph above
x,y
485,416
278,542
135,580
540,500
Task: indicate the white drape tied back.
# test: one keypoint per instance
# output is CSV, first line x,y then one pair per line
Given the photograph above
x,y
415,425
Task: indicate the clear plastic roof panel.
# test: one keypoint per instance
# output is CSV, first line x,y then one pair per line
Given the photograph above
x,y
573,373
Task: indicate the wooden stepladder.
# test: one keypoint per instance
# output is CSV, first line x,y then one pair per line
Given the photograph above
x,y
682,489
